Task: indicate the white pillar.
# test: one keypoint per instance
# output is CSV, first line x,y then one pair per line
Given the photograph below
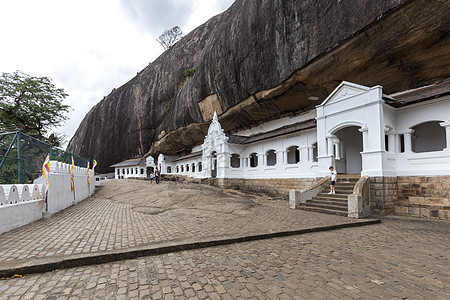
x,y
408,140
397,144
392,145
304,154
330,143
446,125
259,158
285,157
310,153
365,135
337,147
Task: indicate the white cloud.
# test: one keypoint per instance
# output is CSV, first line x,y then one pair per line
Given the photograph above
x,y
90,47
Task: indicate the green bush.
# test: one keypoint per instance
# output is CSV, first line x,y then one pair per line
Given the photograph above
x,y
189,72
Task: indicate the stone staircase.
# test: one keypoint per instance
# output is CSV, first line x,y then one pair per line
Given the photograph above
x,y
336,204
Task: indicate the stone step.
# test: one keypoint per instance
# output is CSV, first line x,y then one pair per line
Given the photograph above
x,y
343,182
329,200
333,196
336,204
322,210
331,206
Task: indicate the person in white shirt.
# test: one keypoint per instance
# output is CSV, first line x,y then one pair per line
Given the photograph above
x,y
333,180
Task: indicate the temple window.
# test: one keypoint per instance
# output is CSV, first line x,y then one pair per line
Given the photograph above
x,y
428,137
235,161
271,158
253,160
293,155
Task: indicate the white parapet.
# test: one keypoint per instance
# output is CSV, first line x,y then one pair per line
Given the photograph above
x,y
11,193
2,196
35,191
24,192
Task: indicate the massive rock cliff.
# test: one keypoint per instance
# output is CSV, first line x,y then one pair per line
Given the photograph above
x,y
263,59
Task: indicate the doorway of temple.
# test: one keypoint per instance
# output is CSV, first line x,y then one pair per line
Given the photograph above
x,y
348,157
214,164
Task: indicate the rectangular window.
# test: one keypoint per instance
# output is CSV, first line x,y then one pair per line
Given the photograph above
x,y
402,143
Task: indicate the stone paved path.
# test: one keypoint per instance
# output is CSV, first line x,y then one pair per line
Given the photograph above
x,y
398,259
124,214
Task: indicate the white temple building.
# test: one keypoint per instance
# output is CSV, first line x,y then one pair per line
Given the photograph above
x,y
134,168
394,150
357,129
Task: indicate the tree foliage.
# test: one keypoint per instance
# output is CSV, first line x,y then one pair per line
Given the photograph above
x,y
32,105
169,37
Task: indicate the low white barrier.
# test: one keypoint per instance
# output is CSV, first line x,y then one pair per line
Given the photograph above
x,y
21,204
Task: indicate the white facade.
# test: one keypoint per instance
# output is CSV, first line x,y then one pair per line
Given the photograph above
x,y
357,130
134,168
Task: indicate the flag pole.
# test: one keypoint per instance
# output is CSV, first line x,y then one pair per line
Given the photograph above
x,y
46,173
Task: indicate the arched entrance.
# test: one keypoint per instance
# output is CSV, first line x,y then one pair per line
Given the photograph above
x,y
348,148
214,164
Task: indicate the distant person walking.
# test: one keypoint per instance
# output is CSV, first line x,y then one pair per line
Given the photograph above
x,y
333,181
157,175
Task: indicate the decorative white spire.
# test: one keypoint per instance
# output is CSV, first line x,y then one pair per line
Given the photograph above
x,y
215,119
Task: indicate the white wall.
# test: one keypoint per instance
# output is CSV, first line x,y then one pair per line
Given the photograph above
x,y
23,204
19,208
60,195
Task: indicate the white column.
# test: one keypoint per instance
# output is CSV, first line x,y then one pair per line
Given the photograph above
x,y
285,157
304,154
330,144
259,158
310,153
397,143
446,125
408,140
365,135
264,159
392,147
337,147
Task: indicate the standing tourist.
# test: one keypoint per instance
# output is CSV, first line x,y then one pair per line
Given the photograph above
x,y
157,174
152,176
333,180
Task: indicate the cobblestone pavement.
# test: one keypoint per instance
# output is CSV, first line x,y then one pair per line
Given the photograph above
x,y
398,259
129,213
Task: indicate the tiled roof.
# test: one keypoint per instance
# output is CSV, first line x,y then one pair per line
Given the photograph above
x,y
237,139
130,162
420,94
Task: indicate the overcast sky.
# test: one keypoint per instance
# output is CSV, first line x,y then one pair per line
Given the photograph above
x,y
89,47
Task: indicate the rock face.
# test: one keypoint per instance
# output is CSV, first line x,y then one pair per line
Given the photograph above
x,y
264,59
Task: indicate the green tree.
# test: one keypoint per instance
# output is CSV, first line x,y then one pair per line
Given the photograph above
x,y
32,105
